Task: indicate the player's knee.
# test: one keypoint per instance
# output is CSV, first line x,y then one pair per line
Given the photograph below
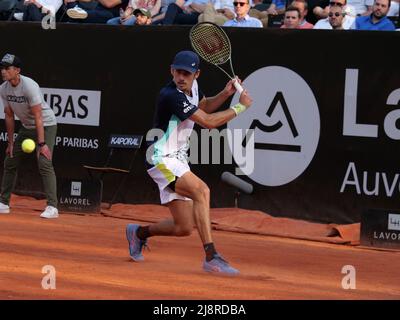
x,y
204,192
184,231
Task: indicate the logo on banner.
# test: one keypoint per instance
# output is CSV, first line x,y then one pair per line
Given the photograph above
x,y
394,222
286,125
79,107
76,187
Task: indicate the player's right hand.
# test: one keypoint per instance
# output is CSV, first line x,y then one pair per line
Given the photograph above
x,y
245,99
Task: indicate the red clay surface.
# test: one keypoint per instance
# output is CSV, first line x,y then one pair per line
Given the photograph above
x,y
90,255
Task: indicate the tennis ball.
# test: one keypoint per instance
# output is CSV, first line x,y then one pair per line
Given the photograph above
x,y
28,145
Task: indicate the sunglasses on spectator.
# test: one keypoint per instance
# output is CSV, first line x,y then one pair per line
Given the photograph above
x,y
337,14
333,3
239,4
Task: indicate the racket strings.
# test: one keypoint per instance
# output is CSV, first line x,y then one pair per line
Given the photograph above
x,y
211,43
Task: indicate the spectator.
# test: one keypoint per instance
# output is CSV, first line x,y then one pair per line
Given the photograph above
x,y
292,18
312,4
218,12
394,9
336,16
303,8
277,7
361,7
160,16
242,19
259,10
182,12
378,19
322,9
104,11
143,16
128,18
35,10
348,20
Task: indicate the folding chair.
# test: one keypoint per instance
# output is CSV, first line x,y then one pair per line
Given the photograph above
x,y
122,154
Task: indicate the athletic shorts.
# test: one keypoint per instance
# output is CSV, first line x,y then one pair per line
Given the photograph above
x,y
166,173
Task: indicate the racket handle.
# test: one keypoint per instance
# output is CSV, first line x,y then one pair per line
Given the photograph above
x,y
238,87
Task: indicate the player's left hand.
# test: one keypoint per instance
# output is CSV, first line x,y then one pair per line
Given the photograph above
x,y
45,151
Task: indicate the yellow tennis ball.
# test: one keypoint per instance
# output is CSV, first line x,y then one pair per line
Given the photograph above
x,y
28,145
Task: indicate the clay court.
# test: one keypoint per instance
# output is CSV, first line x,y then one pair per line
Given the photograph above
x,y
90,255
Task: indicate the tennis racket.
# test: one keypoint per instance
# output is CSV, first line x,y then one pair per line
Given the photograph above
x,y
213,45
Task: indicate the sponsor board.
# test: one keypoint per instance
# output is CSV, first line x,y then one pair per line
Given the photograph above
x,y
380,228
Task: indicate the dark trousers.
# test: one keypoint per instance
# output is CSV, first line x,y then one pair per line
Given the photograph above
x,y
32,13
175,15
99,14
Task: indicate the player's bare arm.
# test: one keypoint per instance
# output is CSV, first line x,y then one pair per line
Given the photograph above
x,y
217,119
210,104
10,126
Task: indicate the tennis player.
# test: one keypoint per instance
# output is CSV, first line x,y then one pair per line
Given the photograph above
x,y
180,105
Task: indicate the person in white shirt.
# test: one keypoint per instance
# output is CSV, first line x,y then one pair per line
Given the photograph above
x,y
242,19
218,12
348,20
336,16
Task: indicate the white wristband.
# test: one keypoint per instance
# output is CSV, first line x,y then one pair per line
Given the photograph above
x,y
238,108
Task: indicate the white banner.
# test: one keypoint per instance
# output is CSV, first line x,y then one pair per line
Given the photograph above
x,y
79,107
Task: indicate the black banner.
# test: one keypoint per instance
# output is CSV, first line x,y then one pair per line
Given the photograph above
x,y
325,113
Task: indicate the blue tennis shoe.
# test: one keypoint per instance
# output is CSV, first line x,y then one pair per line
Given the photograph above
x,y
135,244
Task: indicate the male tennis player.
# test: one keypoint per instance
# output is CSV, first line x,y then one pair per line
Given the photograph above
x,y
180,105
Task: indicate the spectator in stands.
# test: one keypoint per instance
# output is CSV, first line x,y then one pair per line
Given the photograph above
x,y
378,19
104,11
182,12
277,7
218,12
394,9
242,19
335,16
292,18
348,20
361,7
128,18
312,4
353,8
303,8
160,16
259,10
35,10
143,16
